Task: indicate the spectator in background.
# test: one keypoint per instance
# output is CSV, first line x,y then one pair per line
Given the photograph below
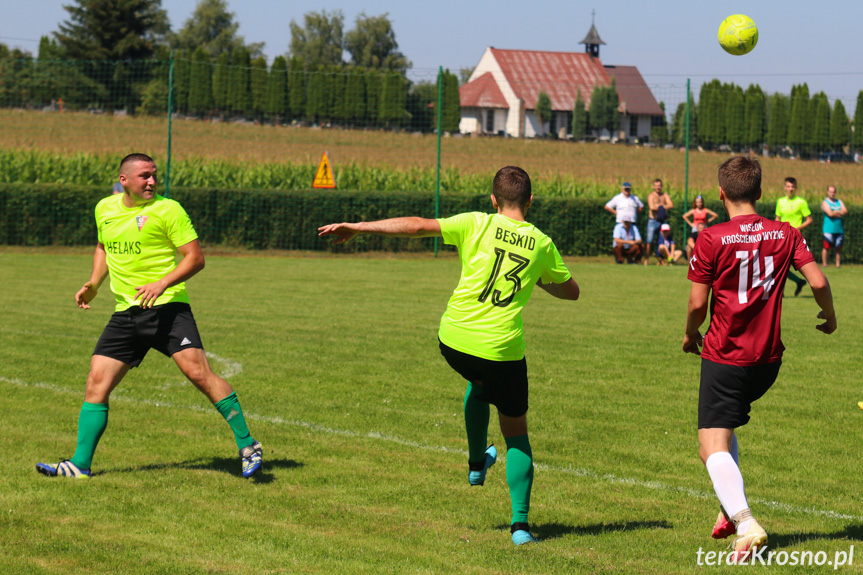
x,y
625,206
626,242
666,250
658,205
832,228
117,189
697,215
794,210
693,237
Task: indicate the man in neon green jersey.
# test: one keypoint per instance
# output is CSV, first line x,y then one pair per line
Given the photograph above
x,y
793,210
140,233
480,335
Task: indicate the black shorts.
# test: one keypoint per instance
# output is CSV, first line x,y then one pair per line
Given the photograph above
x,y
131,333
504,383
728,391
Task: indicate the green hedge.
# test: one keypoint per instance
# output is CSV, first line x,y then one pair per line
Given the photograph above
x,y
62,215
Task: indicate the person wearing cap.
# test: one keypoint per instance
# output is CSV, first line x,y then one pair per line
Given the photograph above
x,y
658,205
625,205
626,242
666,250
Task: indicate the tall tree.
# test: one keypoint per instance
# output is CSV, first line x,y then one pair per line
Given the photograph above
x,y
258,81
239,90
543,110
735,117
393,96
451,104
798,122
613,104
372,44
355,94
277,90
373,82
105,35
820,135
317,102
297,88
756,116
212,28
182,77
777,128
201,83
421,100
857,134
320,42
659,127
579,118
840,126
221,82
338,79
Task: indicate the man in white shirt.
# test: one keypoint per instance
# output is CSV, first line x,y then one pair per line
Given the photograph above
x,y
624,205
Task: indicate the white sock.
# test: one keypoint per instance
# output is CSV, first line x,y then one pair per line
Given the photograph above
x,y
727,482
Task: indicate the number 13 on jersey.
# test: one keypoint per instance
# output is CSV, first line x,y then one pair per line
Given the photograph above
x,y
757,281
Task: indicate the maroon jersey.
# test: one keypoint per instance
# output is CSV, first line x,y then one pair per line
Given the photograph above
x,y
745,262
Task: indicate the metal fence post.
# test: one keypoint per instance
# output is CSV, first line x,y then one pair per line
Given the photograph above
x,y
686,143
437,182
167,193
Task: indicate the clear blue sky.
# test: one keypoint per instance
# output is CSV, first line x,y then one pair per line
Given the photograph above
x,y
667,40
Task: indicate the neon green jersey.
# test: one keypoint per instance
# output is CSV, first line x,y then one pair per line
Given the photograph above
x,y
792,211
141,245
501,261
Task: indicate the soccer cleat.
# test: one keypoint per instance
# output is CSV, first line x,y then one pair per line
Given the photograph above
x,y
723,528
63,469
252,458
477,477
521,534
744,545
799,288
860,404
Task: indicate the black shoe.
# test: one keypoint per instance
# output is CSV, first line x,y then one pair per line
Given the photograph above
x,y
799,288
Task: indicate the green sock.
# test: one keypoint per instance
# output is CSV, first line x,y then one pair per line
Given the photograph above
x,y
230,409
92,422
793,277
519,475
476,424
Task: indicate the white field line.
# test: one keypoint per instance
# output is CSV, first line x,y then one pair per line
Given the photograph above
x,y
567,470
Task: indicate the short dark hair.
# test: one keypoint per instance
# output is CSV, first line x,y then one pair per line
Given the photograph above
x,y
792,181
511,186
657,180
134,158
740,179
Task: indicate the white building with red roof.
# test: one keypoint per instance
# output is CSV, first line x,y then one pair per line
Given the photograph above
x,y
501,94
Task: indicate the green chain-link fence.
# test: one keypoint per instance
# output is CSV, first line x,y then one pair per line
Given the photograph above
x,y
384,122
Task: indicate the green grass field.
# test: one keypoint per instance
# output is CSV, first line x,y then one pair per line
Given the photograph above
x,y
335,361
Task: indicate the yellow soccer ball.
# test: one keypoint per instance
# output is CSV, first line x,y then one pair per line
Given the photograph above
x,y
738,34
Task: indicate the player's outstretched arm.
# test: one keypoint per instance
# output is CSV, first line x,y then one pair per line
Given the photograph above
x,y
823,296
410,227
91,288
695,316
192,263
567,290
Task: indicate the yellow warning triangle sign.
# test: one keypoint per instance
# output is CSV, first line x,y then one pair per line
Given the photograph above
x,y
324,177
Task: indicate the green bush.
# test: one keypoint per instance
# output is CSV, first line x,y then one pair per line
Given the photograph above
x,y
62,215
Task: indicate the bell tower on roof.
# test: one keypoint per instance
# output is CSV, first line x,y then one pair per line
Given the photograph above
x,y
592,41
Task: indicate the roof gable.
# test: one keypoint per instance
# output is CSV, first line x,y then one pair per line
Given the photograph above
x,y
482,92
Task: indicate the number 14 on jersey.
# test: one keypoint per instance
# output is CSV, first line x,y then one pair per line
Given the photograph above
x,y
757,281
